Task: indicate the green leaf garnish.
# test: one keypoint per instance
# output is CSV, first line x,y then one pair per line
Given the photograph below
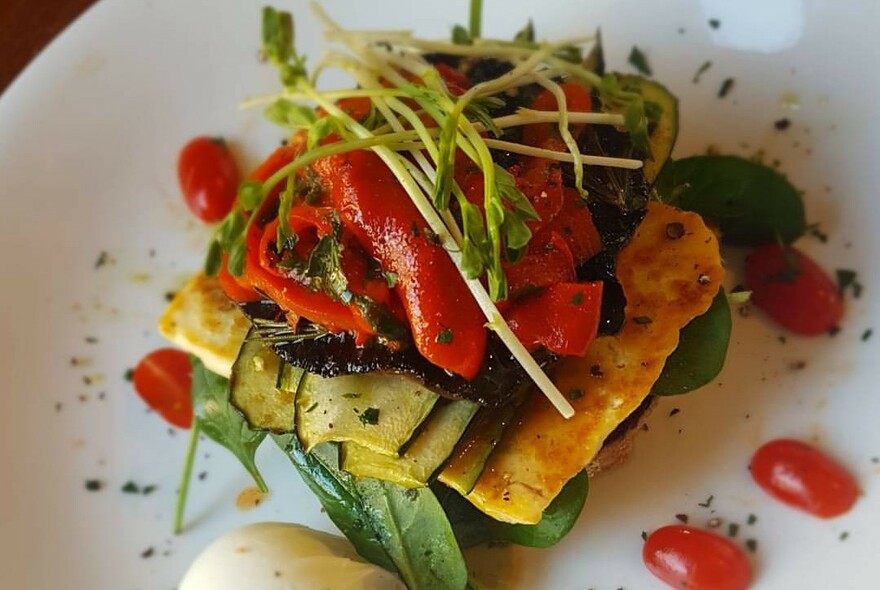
x,y
639,61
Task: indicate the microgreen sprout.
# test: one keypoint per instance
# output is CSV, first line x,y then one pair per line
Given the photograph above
x,y
417,126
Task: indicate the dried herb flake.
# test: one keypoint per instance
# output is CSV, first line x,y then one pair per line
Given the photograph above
x,y
639,61
369,416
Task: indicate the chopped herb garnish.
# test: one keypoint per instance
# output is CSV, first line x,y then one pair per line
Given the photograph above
x,y
131,488
370,416
390,278
814,230
739,297
414,230
642,320
431,236
128,375
674,231
644,536
91,340
351,395
714,23
148,553
790,270
751,545
639,61
147,490
707,503
673,412
701,70
726,87
752,519
732,529
103,259
578,298
834,331
847,279
866,335
844,535
596,371
311,408
681,518
574,394
94,485
782,124
445,336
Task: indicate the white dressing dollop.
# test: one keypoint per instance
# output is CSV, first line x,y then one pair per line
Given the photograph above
x,y
281,556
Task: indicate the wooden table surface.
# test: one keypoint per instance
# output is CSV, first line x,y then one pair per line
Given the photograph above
x,y
26,26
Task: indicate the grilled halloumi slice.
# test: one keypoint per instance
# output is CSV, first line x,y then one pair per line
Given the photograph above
x,y
667,282
204,322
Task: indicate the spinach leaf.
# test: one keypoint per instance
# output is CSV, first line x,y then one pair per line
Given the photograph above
x,y
417,535
558,518
222,423
752,203
394,527
701,351
472,527
336,490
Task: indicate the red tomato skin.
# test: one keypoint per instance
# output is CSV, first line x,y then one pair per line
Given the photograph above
x,y
807,303
163,379
208,178
688,557
803,477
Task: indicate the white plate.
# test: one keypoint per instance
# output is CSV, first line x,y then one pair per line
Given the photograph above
x,y
88,140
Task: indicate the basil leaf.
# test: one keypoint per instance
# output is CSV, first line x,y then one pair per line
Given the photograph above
x,y
753,204
472,527
222,423
701,351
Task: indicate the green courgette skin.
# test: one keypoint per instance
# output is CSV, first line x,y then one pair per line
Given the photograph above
x,y
256,389
423,456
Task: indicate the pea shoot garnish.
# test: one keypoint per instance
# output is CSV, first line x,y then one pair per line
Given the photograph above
x,y
417,125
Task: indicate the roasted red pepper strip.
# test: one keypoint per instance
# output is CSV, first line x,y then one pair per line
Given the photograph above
x,y
546,135
233,289
446,322
549,261
563,318
456,82
575,224
290,295
241,288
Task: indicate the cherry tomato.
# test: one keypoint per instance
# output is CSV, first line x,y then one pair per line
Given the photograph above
x,y
793,290
688,557
163,380
208,178
803,477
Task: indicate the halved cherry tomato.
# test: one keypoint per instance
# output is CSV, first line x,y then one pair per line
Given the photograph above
x,y
803,477
163,379
793,290
688,557
208,178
